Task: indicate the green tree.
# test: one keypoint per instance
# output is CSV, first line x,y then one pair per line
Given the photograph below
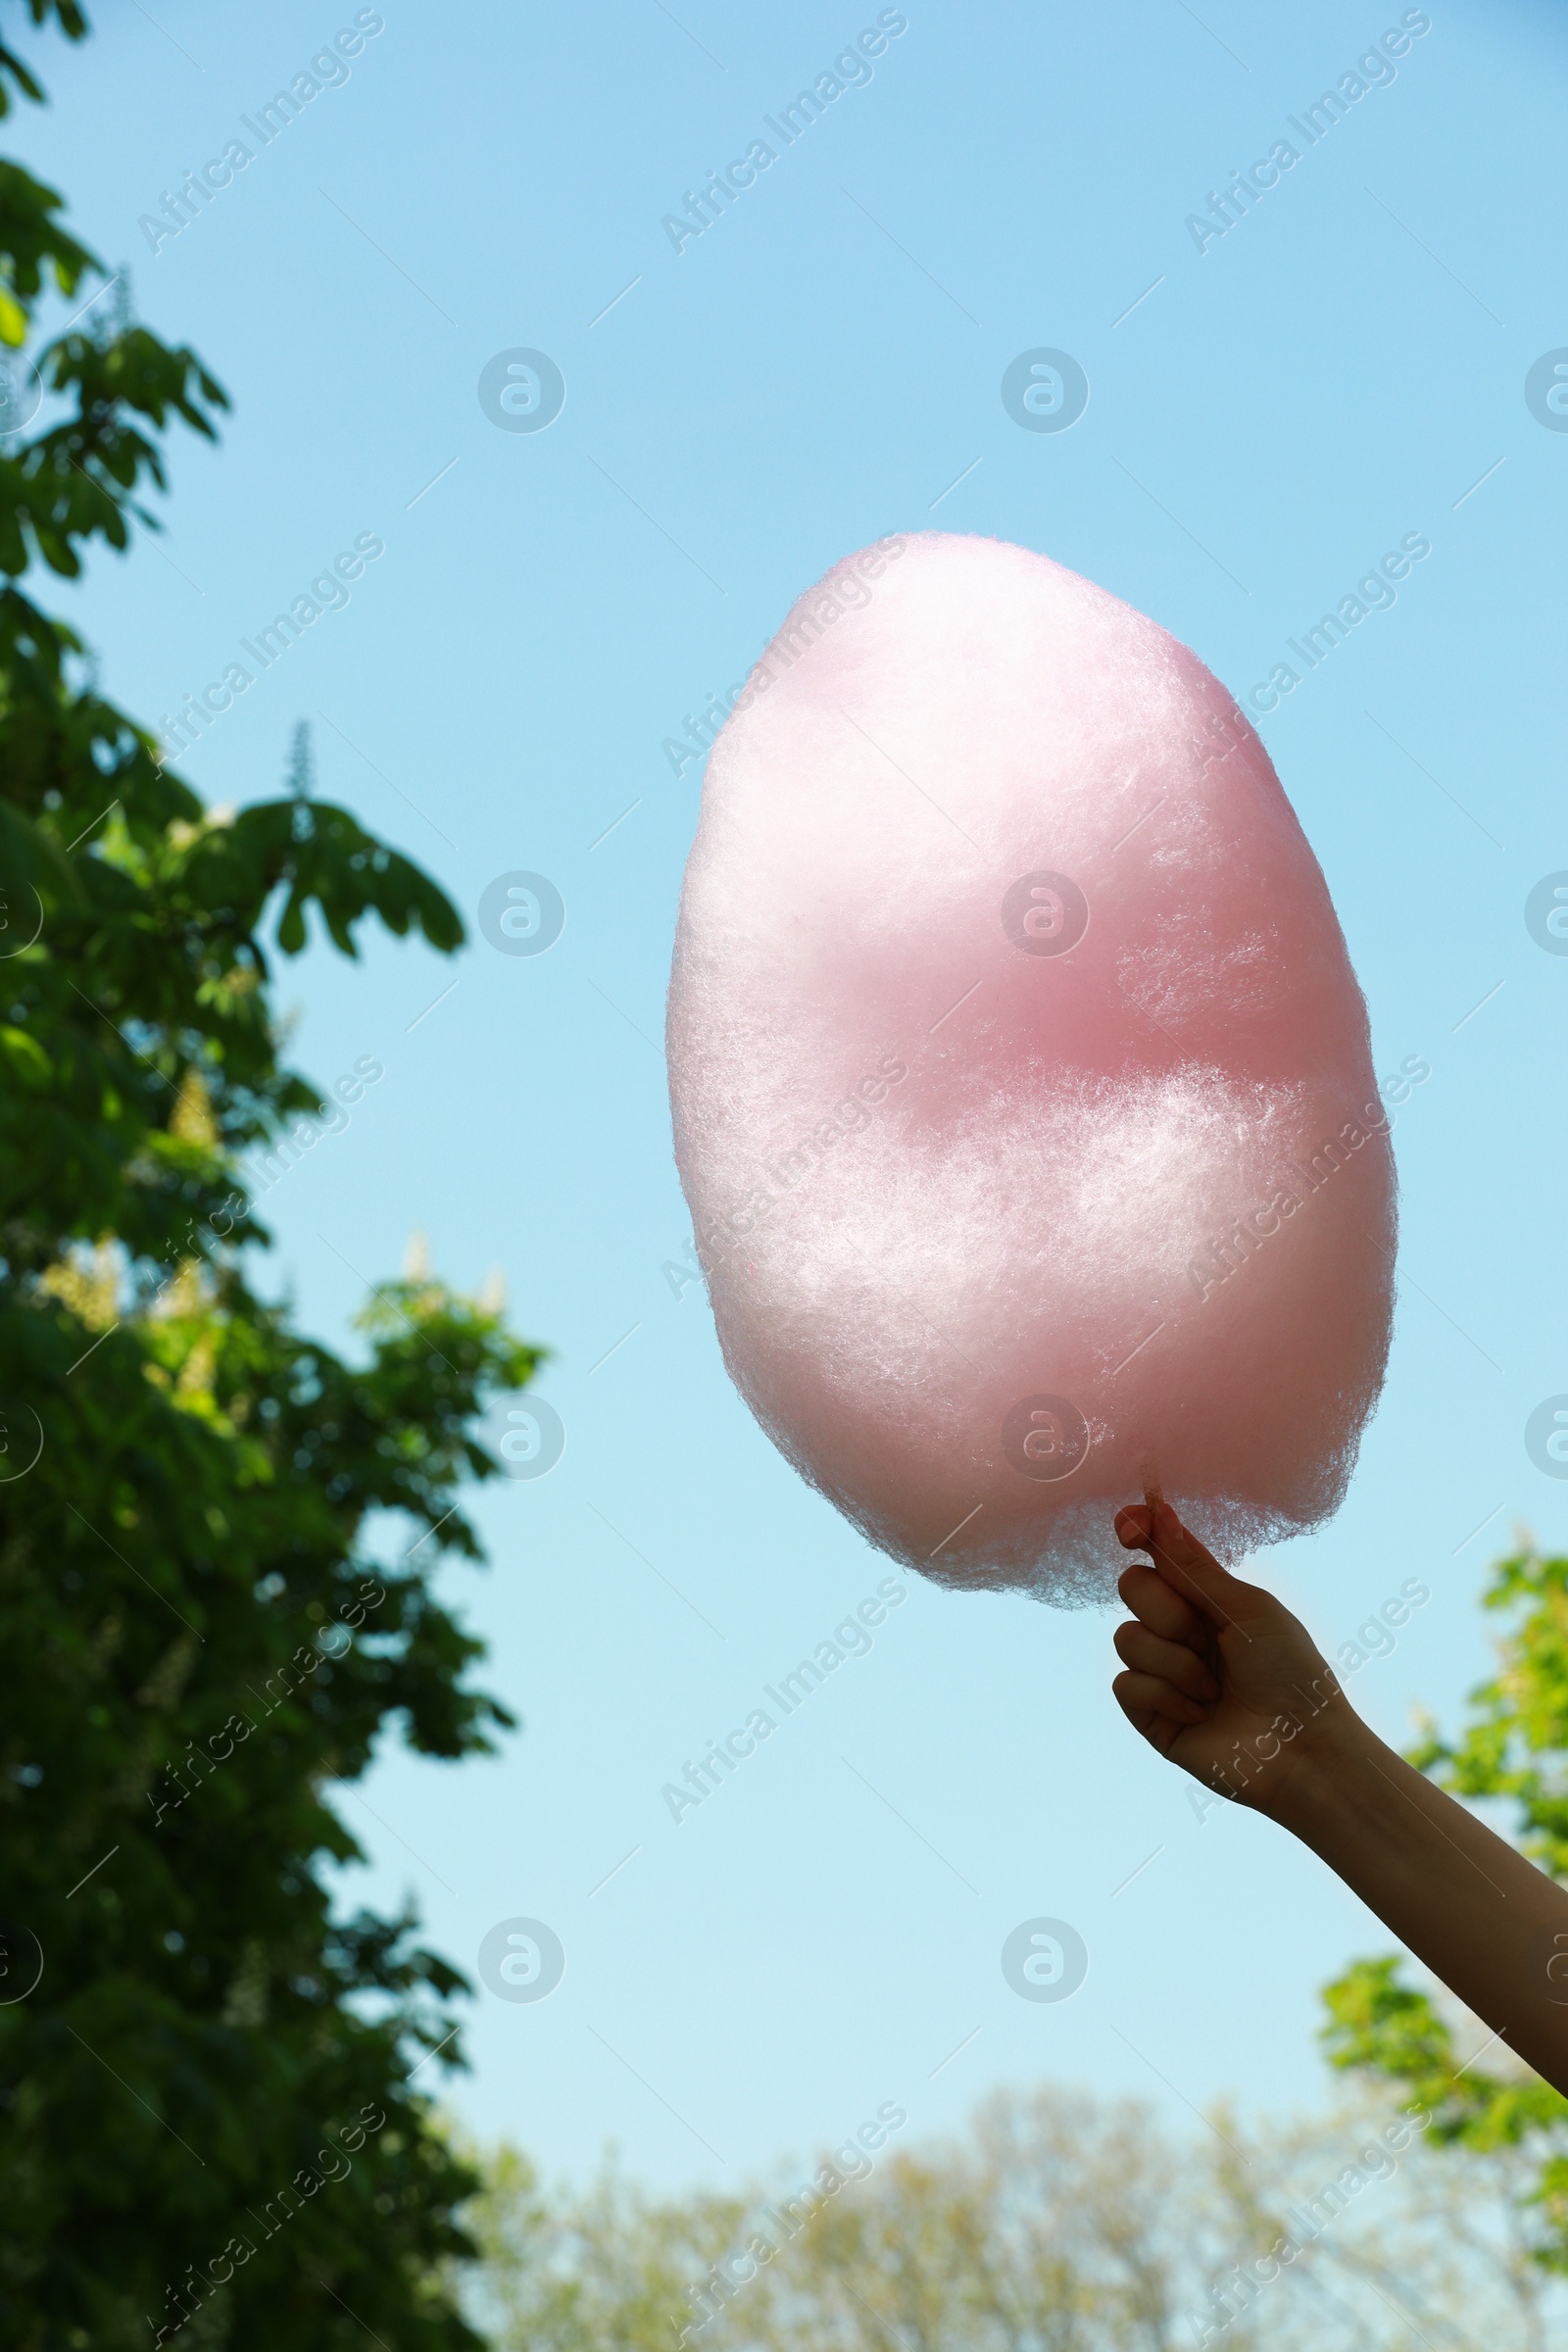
x,y
1514,1745
1056,2223
209,2122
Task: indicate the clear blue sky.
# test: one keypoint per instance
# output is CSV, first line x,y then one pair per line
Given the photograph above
x,y
1342,368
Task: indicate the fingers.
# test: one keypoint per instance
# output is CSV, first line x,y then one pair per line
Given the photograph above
x,y
1157,1729
1151,1706
1152,1600
1184,1563
1170,1661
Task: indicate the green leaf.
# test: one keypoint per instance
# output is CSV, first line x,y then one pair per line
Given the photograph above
x,y
205,1500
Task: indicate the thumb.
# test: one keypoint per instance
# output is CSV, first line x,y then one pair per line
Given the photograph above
x,y
1193,1571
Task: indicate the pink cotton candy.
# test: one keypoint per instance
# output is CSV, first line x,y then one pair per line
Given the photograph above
x,y
1022,1084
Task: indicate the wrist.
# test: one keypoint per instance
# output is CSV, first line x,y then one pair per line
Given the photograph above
x,y
1314,1768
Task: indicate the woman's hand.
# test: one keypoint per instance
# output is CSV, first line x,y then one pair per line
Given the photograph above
x,y
1219,1676
1223,1679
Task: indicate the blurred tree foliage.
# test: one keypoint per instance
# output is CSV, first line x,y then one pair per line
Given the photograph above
x,y
208,2127
1059,2223
1514,1747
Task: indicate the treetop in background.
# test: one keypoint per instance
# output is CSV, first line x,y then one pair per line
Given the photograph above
x,y
212,2133
1514,1745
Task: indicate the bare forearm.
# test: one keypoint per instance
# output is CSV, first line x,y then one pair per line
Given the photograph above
x,y
1226,1682
1481,1917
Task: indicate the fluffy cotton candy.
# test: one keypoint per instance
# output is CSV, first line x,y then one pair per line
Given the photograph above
x,y
1021,1085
